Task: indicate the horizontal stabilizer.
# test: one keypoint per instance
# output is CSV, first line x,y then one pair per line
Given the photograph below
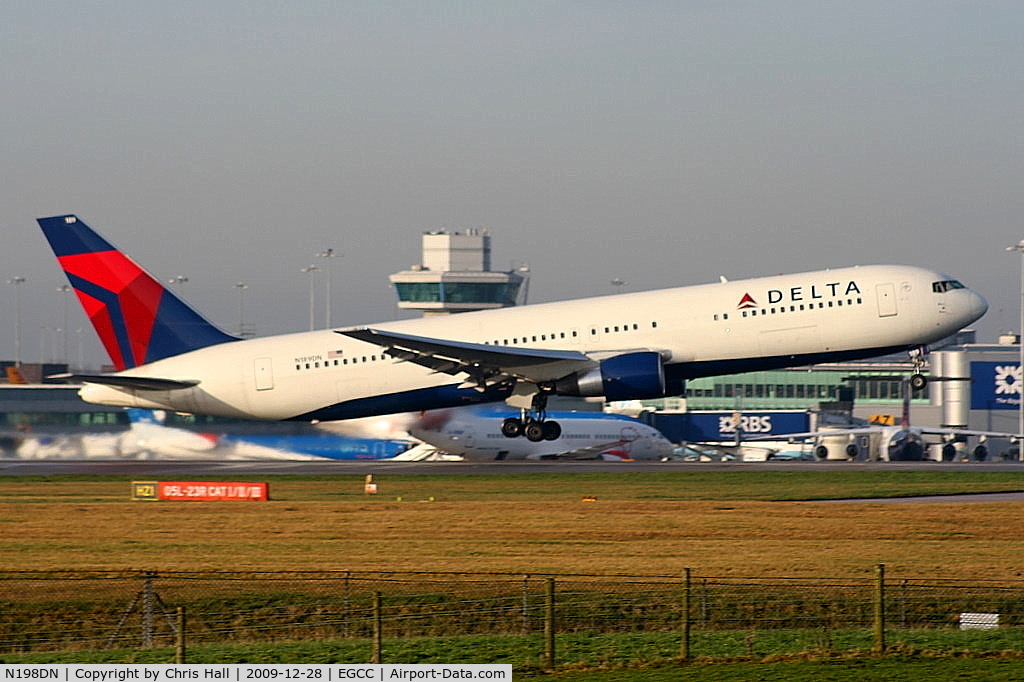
x,y
121,381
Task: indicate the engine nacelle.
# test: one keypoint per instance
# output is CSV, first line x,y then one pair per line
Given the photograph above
x,y
630,376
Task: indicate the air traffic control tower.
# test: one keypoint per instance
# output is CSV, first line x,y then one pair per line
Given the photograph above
x,y
455,276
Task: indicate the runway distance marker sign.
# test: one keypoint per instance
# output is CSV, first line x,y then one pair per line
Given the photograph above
x,y
200,491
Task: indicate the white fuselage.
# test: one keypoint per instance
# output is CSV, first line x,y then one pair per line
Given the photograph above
x,y
702,330
474,434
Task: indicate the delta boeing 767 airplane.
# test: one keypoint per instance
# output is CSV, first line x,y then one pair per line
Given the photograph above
x,y
620,347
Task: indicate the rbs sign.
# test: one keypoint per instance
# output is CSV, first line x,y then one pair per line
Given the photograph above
x,y
721,426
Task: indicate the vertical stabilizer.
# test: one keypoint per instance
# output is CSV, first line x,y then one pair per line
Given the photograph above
x,y
137,318
14,375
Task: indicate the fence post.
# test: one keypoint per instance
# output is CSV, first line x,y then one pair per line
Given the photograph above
x,y
549,625
147,609
880,608
684,651
526,604
348,605
378,628
903,603
179,656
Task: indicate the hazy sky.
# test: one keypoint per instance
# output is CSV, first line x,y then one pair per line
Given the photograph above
x,y
663,143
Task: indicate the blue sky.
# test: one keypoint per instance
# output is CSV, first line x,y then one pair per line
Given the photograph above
x,y
663,143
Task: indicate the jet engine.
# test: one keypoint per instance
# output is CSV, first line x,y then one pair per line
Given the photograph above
x,y
630,376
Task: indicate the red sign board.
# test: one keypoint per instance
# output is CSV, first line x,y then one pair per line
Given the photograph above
x,y
199,491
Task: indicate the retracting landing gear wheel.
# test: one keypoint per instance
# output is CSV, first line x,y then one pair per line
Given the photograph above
x,y
918,381
512,428
534,431
552,430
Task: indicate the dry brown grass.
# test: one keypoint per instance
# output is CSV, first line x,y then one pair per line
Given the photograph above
x,y
653,526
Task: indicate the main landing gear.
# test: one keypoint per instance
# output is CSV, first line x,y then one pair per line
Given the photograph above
x,y
535,428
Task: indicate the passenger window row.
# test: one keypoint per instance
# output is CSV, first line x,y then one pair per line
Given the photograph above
x,y
792,308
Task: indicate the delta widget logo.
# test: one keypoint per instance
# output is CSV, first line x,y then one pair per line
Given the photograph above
x,y
747,302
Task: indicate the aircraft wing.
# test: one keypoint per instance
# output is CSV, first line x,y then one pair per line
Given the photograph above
x,y
838,431
482,362
122,381
965,432
861,430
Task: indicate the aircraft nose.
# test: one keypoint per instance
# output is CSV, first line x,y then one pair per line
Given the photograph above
x,y
977,306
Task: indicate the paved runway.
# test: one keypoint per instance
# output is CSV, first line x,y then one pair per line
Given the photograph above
x,y
167,469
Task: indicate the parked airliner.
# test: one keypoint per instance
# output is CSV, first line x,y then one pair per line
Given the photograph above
x,y
898,442
473,433
625,346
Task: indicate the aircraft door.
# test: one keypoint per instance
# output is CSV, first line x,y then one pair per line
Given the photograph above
x,y
263,372
886,294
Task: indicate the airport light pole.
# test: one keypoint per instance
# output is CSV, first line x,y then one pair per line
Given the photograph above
x,y
311,270
81,354
64,289
44,335
1019,247
17,281
241,286
329,254
179,280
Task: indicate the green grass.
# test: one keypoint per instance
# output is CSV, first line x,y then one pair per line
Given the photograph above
x,y
742,484
914,655
749,520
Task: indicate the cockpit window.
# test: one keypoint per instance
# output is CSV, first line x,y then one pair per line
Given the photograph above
x,y
948,285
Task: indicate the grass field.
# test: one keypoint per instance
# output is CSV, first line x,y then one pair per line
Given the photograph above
x,y
726,523
742,523
927,656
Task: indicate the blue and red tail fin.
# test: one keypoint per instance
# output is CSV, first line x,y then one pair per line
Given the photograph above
x,y
137,318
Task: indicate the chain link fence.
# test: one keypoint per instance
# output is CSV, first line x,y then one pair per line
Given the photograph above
x,y
685,615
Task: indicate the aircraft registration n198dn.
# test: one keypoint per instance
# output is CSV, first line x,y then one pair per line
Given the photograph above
x,y
622,347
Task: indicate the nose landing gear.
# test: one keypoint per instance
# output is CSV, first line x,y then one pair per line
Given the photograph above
x,y
918,380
